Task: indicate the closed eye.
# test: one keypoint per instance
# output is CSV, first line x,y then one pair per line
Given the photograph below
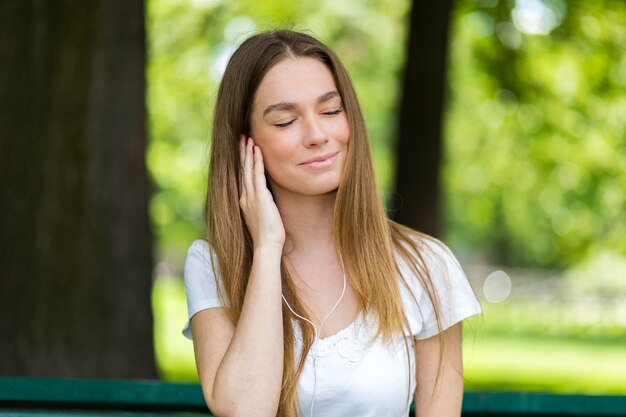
x,y
284,124
326,113
333,112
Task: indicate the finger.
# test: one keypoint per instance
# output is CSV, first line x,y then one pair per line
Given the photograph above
x,y
242,153
242,150
259,169
248,165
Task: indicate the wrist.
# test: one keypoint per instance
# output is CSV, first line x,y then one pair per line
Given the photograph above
x,y
269,250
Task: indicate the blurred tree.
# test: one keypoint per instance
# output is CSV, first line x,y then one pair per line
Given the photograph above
x,y
418,152
75,238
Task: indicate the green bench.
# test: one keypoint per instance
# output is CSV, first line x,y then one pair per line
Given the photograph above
x,y
40,397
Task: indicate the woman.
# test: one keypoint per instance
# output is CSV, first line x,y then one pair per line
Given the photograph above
x,y
306,300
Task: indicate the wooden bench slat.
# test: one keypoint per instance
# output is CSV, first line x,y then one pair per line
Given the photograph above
x,y
103,393
29,413
43,397
526,403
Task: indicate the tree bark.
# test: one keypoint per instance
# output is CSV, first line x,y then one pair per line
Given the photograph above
x,y
75,242
419,149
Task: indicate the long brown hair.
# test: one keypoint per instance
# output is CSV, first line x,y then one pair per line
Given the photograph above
x,y
363,235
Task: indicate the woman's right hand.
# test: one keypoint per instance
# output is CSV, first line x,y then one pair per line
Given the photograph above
x,y
241,374
257,204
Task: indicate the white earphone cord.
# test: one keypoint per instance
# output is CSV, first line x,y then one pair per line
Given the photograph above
x,y
317,333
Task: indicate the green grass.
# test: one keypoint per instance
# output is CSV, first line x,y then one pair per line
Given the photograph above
x,y
550,365
510,347
174,352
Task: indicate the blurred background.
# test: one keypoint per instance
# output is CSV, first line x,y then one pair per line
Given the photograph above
x,y
533,171
528,186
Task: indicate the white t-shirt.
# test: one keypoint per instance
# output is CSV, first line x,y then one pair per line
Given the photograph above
x,y
357,375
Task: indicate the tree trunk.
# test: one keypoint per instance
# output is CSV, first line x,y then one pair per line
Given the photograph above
x,y
75,242
418,154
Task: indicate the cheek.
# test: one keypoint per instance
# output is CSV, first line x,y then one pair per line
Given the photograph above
x,y
276,159
342,130
278,168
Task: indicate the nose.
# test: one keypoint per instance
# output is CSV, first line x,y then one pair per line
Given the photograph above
x,y
314,133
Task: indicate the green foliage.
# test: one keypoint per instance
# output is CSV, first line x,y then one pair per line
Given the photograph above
x,y
536,146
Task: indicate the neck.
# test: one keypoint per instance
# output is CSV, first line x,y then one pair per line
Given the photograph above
x,y
308,221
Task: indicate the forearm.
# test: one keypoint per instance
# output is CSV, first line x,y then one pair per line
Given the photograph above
x,y
249,378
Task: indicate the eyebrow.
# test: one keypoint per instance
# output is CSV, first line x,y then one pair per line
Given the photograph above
x,y
283,105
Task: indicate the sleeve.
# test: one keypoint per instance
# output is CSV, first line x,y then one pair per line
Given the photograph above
x,y
201,284
457,300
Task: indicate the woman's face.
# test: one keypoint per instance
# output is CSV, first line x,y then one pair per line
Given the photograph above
x,y
299,122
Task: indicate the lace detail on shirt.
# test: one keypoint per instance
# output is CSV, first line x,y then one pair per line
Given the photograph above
x,y
349,342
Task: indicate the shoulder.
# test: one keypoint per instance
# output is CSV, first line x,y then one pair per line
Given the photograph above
x,y
434,287
200,262
200,254
201,248
427,262
439,258
426,253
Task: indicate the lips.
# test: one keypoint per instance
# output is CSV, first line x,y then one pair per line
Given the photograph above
x,y
320,159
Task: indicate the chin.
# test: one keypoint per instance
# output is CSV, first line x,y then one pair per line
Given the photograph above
x,y
311,190
306,185
322,187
